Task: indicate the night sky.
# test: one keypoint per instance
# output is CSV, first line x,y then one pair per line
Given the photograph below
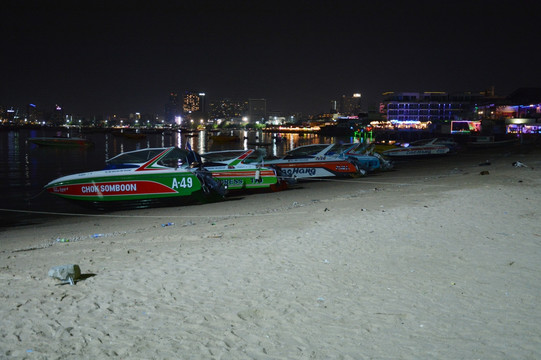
x,y
107,57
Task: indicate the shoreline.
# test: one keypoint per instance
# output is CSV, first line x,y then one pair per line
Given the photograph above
x,y
406,175
432,259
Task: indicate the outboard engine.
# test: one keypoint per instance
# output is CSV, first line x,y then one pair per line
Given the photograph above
x,y
209,184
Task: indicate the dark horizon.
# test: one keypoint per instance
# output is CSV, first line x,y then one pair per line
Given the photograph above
x,y
120,58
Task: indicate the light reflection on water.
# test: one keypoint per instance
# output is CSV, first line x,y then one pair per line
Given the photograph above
x,y
25,168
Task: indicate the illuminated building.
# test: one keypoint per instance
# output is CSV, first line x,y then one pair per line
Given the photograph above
x,y
521,103
227,109
257,110
191,102
428,107
350,105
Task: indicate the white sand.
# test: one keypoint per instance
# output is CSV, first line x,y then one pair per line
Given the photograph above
x,y
431,261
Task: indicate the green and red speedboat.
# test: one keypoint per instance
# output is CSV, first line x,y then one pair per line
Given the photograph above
x,y
238,171
142,178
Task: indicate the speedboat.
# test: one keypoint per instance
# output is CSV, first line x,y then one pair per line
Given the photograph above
x,y
61,141
314,161
141,178
224,138
356,152
230,168
421,148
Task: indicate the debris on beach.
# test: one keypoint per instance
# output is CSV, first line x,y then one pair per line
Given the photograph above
x,y
519,164
484,172
68,273
486,163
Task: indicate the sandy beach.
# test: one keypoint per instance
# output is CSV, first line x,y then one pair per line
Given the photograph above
x,y
430,261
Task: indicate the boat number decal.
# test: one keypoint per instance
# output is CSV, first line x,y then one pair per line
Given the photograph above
x,y
296,171
185,182
342,167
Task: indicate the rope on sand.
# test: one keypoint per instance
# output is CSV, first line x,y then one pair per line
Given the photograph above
x,y
143,216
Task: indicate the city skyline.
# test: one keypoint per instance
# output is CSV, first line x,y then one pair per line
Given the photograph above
x,y
120,58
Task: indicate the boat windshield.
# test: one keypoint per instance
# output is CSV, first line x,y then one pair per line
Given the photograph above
x,y
305,151
222,156
179,158
227,156
358,149
135,157
256,157
341,148
174,158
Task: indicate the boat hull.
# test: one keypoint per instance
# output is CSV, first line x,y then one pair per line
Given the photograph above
x,y
224,138
61,142
315,169
245,179
416,152
111,187
366,162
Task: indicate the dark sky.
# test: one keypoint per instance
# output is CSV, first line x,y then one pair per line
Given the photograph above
x,y
116,57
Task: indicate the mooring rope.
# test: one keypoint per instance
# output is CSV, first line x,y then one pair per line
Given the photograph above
x,y
145,216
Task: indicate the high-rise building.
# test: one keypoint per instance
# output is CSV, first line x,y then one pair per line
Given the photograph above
x,y
227,109
257,110
334,107
172,108
202,102
32,113
350,105
191,102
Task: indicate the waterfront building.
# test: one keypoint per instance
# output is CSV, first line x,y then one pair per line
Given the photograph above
x,y
350,105
191,102
519,112
227,109
429,107
257,110
194,107
172,108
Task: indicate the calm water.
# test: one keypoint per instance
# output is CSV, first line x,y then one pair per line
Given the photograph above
x,y
25,168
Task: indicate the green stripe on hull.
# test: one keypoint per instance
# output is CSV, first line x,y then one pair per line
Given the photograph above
x,y
245,182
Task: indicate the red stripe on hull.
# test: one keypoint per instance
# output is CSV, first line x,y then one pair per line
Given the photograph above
x,y
112,189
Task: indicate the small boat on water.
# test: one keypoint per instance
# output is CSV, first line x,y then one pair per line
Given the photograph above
x,y
61,141
422,148
224,138
258,143
141,178
134,135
